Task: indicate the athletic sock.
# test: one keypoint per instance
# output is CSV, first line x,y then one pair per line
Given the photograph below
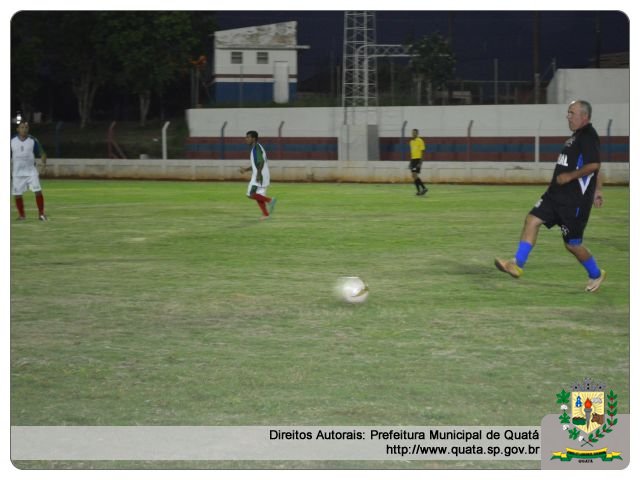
x,y
40,203
591,267
416,182
20,206
263,207
261,198
524,248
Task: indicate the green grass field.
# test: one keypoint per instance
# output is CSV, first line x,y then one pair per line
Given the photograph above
x,y
169,303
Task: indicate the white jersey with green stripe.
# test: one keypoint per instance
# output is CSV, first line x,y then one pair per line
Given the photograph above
x,y
260,166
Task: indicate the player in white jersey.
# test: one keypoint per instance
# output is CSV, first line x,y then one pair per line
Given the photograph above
x,y
260,177
24,150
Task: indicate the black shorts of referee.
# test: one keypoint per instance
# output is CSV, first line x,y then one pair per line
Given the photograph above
x,y
415,165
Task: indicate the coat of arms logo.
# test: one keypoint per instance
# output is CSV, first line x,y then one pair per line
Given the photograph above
x,y
588,414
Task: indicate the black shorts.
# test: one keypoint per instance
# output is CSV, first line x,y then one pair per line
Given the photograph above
x,y
415,166
572,219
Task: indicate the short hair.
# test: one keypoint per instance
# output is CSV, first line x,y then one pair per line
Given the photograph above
x,y
585,107
253,134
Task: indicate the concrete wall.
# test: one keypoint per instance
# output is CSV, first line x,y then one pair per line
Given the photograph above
x,y
504,133
437,121
596,85
543,128
320,170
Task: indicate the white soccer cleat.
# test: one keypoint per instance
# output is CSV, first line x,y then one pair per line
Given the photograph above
x,y
508,266
594,283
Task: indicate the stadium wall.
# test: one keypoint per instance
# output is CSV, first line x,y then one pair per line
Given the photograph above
x,y
319,170
435,121
465,144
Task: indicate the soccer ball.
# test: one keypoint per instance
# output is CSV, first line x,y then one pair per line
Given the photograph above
x,y
352,289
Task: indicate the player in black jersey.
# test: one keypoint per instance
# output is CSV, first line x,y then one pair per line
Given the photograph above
x,y
574,188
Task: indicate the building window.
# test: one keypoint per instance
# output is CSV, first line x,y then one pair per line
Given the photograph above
x,y
236,57
263,58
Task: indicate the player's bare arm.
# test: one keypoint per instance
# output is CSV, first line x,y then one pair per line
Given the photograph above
x,y
598,199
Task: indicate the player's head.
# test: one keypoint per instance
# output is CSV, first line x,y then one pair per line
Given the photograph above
x,y
251,137
579,114
414,132
23,128
585,107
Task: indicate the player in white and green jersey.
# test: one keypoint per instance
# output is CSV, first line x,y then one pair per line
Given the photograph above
x,y
260,178
24,175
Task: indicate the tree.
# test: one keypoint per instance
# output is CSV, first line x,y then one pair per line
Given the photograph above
x,y
26,59
151,49
145,53
77,54
433,64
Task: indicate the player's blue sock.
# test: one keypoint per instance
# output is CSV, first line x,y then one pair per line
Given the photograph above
x,y
524,248
591,267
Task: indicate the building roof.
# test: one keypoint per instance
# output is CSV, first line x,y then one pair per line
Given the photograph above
x,y
273,36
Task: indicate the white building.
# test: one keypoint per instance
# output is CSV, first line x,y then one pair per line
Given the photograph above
x,y
596,85
256,64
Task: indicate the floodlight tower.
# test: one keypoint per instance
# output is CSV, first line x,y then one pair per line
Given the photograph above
x,y
359,70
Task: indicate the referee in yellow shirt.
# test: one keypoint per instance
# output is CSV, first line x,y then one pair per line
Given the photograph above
x,y
417,150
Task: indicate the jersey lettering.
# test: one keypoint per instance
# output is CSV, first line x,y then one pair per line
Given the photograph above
x,y
563,160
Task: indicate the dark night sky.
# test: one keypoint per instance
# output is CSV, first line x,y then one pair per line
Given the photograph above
x,y
478,37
